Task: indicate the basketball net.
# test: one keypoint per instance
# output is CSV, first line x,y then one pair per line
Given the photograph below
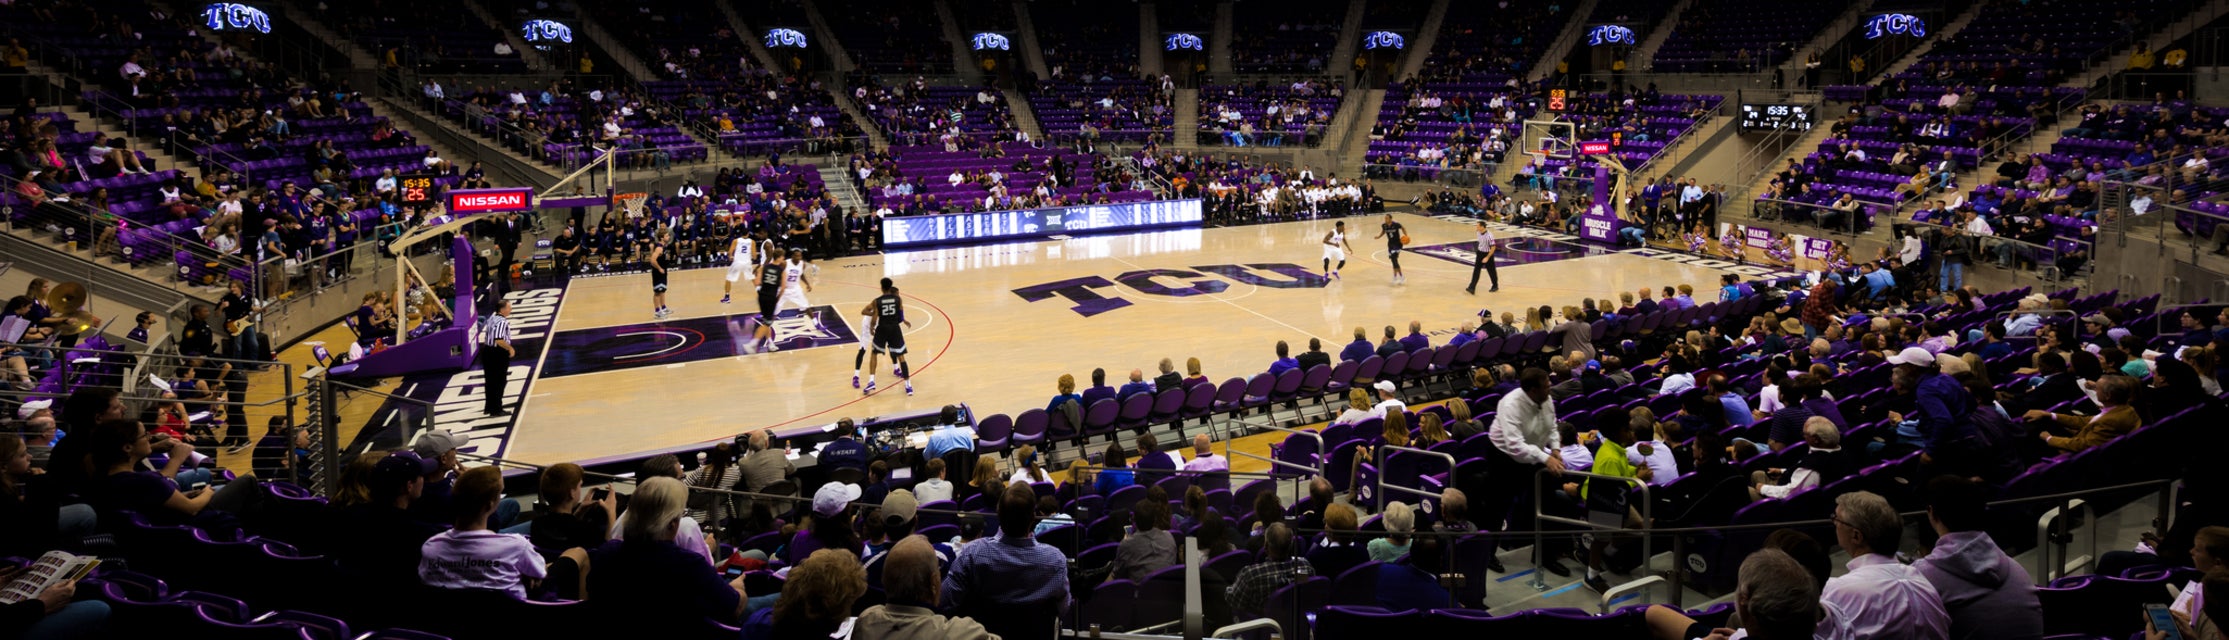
x,y
630,202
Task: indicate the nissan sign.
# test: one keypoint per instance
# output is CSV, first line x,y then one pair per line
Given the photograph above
x,y
1594,147
490,201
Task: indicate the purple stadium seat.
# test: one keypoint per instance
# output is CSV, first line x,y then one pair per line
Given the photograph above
x,y
1366,621
993,433
1112,603
1029,428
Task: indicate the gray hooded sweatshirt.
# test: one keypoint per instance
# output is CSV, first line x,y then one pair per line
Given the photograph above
x,y
1988,595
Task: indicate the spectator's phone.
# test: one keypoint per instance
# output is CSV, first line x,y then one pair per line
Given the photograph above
x,y
2163,622
599,494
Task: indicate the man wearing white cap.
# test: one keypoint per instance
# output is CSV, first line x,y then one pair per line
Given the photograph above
x,y
1941,430
1387,401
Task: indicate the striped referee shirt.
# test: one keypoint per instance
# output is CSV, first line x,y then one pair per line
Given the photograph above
x,y
497,328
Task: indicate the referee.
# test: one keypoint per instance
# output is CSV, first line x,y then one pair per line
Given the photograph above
x,y
1484,260
495,356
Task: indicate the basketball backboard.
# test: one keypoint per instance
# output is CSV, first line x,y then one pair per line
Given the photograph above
x,y
1551,139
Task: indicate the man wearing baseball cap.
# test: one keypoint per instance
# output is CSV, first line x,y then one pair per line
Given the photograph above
x,y
439,449
899,517
1941,429
1388,401
382,538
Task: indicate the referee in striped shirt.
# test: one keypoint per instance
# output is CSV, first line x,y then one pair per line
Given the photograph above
x,y
495,356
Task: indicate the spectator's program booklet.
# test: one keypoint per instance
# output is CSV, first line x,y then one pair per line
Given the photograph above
x,y
56,567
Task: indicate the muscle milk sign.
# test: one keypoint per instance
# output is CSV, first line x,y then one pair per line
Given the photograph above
x,y
490,200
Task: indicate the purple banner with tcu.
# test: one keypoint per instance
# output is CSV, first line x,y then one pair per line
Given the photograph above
x,y
1599,223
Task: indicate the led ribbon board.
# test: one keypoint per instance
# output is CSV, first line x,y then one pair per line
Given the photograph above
x,y
1897,24
776,38
991,42
545,31
1383,40
234,16
1185,41
1609,34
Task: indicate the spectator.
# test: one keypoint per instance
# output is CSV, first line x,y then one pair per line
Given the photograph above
x,y
1823,463
817,599
1524,433
764,465
469,556
1613,459
1941,431
1882,598
1985,591
1738,412
119,448
1284,361
1774,598
569,519
1049,516
1147,548
1015,586
1313,356
1339,551
1137,385
2115,418
1028,468
1400,522
647,577
33,519
1358,408
1389,400
1169,378
1098,391
380,541
950,435
51,613
1415,581
691,535
1277,568
832,525
909,579
1204,458
1390,345
1114,475
1067,386
1359,350
933,487
1416,340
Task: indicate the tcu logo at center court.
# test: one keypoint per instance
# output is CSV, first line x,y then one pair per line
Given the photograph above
x,y
1152,282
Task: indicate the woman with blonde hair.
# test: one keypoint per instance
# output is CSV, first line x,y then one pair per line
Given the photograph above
x,y
1535,320
984,480
818,598
1460,425
1358,408
1192,373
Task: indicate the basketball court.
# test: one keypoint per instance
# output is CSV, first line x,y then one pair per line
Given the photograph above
x,y
994,326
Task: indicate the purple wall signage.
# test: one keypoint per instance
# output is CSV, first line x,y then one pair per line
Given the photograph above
x,y
1599,223
1816,248
1757,237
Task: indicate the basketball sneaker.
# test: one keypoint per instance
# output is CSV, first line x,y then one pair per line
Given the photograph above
x,y
724,299
909,387
869,389
854,381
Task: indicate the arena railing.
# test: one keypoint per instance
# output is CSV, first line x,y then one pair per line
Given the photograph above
x,y
79,228
1994,250
1869,214
2172,313
1451,177
1647,508
140,391
1226,437
736,145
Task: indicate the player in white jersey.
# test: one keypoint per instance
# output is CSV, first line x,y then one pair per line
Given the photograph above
x,y
1335,248
741,257
795,284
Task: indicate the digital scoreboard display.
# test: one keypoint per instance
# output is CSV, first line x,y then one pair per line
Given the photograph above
x,y
1775,117
416,190
960,228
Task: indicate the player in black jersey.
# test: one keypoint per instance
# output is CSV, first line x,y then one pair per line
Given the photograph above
x,y
661,261
769,298
888,312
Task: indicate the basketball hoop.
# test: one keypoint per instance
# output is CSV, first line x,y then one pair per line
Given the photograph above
x,y
630,202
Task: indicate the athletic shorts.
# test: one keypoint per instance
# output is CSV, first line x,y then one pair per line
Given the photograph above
x,y
737,271
1335,253
794,297
892,344
658,281
768,303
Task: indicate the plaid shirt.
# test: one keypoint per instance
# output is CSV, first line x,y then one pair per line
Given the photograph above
x,y
1260,579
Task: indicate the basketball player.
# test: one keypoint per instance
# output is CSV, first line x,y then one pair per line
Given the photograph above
x,y
795,284
1392,232
1335,247
769,293
885,316
741,251
1485,261
661,260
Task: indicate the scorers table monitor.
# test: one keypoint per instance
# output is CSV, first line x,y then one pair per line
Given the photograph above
x,y
1775,117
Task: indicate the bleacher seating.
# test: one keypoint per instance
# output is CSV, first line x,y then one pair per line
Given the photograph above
x,y
1738,36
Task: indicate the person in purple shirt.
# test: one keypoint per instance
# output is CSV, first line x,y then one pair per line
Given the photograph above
x,y
1986,592
1686,296
1137,385
1671,299
1284,361
1737,407
1646,306
1411,582
1099,389
1416,340
1359,350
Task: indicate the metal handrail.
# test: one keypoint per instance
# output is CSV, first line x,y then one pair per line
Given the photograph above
x,y
2006,315
2159,321
1382,486
1316,471
1539,538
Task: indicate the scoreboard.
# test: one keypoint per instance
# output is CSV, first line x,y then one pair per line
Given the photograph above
x,y
417,190
1771,117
